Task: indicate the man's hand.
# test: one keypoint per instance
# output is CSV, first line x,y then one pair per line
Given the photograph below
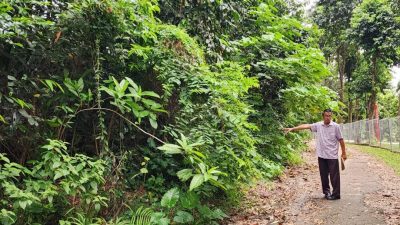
x,y
300,127
287,130
344,156
343,147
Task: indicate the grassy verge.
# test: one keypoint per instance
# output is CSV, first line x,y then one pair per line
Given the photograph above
x,y
392,159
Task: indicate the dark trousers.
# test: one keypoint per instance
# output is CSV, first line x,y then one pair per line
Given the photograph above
x,y
329,168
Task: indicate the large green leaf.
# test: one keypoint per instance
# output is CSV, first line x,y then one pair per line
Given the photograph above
x,y
170,198
189,200
159,218
197,180
171,149
183,217
184,174
2,119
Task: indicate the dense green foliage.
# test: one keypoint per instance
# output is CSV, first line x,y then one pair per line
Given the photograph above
x,y
378,36
388,104
361,39
146,112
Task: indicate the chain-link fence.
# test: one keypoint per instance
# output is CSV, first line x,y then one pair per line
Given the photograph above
x,y
384,133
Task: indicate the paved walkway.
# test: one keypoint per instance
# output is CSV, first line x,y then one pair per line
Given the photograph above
x,y
357,180
369,196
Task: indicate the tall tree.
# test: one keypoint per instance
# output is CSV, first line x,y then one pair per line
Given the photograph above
x,y
375,29
359,86
334,18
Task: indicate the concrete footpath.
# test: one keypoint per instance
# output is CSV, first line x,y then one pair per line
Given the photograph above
x,y
369,195
357,180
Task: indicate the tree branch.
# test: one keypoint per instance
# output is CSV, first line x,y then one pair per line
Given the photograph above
x,y
126,119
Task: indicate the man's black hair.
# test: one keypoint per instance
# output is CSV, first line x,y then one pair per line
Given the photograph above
x,y
327,110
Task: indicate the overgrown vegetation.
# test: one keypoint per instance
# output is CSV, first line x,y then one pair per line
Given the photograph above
x,y
125,112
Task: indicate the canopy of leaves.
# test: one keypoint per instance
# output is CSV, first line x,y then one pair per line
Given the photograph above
x,y
374,27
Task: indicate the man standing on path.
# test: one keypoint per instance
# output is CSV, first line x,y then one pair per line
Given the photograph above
x,y
328,136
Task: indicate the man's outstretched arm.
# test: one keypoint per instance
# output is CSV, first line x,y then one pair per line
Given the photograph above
x,y
300,127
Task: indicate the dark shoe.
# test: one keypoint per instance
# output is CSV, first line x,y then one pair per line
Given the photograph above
x,y
327,195
333,197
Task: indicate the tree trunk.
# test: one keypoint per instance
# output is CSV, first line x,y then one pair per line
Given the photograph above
x,y
372,99
5,59
357,110
341,60
350,111
341,66
371,104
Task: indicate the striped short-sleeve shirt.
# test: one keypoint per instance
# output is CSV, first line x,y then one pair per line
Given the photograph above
x,y
328,137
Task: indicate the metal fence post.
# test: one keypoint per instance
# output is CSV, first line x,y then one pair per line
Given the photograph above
x,y
398,130
359,131
380,132
369,132
390,134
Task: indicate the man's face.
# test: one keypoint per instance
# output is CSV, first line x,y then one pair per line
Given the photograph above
x,y
327,117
